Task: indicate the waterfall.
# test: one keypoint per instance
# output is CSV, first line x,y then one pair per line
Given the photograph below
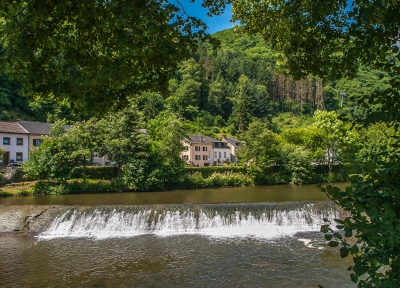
x,y
223,220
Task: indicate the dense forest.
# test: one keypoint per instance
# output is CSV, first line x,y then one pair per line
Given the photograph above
x,y
221,91
237,90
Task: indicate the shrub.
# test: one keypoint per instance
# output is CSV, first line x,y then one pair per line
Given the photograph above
x,y
5,194
96,172
208,171
196,180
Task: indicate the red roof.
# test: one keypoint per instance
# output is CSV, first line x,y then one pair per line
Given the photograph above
x,y
11,127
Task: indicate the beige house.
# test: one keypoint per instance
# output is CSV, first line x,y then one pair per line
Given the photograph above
x,y
37,131
200,150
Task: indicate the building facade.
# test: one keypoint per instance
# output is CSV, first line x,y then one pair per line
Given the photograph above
x,y
37,132
200,150
14,141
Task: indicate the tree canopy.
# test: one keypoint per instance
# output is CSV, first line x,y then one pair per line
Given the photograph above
x,y
94,54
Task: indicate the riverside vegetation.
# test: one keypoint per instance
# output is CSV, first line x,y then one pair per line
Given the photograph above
x,y
280,88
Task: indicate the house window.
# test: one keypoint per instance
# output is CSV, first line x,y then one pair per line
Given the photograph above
x,y
19,156
219,144
204,148
224,154
6,140
219,154
37,142
20,141
185,148
215,154
196,148
205,157
197,157
185,157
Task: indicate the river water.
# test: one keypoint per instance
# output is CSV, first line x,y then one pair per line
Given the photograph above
x,y
175,239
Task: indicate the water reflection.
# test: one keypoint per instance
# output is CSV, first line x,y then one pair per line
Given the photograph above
x,y
182,261
273,193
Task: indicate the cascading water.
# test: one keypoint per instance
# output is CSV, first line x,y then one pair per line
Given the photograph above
x,y
224,220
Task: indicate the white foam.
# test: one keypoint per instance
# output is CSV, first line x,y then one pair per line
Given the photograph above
x,y
115,224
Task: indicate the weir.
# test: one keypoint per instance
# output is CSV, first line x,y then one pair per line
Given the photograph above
x,y
222,220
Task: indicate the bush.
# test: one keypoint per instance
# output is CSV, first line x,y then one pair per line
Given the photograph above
x,y
94,186
96,172
227,179
208,171
76,186
5,194
50,188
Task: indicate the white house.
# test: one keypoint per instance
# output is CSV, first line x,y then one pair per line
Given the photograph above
x,y
234,145
222,152
15,142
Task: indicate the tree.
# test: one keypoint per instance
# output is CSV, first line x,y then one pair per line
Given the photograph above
x,y
261,146
122,141
94,54
165,164
338,139
329,39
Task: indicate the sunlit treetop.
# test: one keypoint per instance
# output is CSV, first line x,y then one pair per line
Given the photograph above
x,y
93,55
327,38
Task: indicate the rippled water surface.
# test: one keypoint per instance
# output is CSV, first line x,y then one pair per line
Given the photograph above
x,y
177,261
271,193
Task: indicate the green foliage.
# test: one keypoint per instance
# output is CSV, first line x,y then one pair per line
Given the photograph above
x,y
296,164
325,38
208,171
121,139
95,54
372,201
96,172
5,194
76,186
216,179
262,146
339,142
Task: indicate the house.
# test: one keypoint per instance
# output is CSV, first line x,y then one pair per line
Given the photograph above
x,y
37,131
234,145
200,150
14,140
222,152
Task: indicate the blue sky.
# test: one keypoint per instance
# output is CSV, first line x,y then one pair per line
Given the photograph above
x,y
215,23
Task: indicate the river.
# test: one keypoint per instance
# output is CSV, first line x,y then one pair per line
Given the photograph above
x,y
264,236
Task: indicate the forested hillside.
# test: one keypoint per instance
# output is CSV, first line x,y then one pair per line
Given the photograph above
x,y
222,91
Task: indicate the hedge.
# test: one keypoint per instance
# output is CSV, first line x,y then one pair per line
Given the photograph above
x,y
76,186
210,170
96,172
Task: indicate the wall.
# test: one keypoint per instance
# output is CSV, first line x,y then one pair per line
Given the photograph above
x,y
13,148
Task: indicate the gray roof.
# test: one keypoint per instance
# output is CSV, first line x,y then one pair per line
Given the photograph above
x,y
12,127
233,141
38,128
198,139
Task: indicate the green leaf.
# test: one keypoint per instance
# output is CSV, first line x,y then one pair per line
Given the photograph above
x,y
324,228
348,232
354,277
344,252
354,249
369,167
337,235
333,244
328,237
